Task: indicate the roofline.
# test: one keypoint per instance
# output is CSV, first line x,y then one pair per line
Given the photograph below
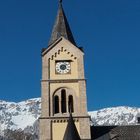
x,y
55,43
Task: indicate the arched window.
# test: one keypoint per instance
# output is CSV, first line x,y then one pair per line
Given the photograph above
x,y
56,104
70,103
63,101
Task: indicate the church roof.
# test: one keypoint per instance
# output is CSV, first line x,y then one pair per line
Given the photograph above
x,y
61,27
71,132
115,132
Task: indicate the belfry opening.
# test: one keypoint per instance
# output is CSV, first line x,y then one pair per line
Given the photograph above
x,y
63,101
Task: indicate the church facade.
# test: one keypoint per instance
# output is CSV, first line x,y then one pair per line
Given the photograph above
x,y
64,103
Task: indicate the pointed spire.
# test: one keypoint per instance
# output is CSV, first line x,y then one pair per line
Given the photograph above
x,y
61,27
60,1
71,132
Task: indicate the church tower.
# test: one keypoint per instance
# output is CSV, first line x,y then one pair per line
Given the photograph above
x,y
63,84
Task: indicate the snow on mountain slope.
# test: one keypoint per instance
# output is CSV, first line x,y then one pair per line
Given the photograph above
x,y
24,115
19,115
115,116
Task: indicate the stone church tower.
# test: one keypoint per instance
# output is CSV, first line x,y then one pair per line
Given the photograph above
x,y
63,84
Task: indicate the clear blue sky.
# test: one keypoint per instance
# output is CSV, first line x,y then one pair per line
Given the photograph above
x,y
108,30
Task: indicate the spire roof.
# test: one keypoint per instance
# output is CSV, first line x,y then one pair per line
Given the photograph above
x,y
61,27
71,132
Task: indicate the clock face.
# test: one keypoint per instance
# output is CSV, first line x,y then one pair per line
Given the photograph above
x,y
63,67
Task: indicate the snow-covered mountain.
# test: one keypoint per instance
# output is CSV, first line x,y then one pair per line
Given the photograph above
x,y
115,116
24,115
19,116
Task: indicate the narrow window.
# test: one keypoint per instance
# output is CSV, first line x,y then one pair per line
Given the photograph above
x,y
63,101
138,120
56,104
70,103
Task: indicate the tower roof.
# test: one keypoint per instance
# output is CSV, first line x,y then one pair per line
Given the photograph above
x,y
71,132
61,27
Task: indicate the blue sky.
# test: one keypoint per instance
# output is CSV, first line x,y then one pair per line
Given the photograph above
x,y
108,30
